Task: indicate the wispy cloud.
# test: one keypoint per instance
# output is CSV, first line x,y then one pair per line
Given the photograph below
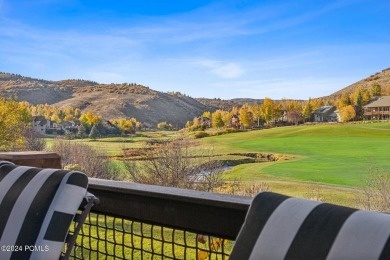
x,y
224,70
177,29
260,50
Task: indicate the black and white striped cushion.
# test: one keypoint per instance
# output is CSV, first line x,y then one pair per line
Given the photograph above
x,y
36,209
280,227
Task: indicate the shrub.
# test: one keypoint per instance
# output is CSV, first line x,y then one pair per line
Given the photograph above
x,y
33,141
177,164
375,194
165,126
201,134
80,156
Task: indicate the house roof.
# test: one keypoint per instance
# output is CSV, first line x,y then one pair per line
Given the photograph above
x,y
38,118
379,102
324,109
66,123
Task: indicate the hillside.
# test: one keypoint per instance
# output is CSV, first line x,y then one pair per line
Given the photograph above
x,y
108,100
133,100
227,105
382,78
218,103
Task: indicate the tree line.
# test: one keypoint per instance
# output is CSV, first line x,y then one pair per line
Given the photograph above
x,y
285,111
16,130
15,117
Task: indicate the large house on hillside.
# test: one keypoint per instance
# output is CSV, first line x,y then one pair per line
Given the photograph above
x,y
326,114
42,125
378,109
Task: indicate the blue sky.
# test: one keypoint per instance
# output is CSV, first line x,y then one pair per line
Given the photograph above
x,y
224,49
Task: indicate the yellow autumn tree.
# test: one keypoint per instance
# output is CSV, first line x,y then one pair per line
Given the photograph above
x,y
347,113
226,118
14,119
270,110
245,117
90,119
125,125
216,118
207,114
256,112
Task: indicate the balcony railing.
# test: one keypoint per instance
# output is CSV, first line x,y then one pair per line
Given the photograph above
x,y
376,113
135,221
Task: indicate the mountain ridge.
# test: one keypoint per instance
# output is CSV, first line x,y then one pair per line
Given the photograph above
x,y
134,100
108,100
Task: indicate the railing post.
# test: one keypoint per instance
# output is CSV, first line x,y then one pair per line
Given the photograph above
x,y
38,159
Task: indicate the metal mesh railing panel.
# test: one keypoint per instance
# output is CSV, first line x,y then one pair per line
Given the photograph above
x,y
107,237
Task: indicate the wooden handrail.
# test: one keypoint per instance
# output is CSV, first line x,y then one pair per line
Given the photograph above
x,y
200,212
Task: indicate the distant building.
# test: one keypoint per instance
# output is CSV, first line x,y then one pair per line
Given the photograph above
x,y
204,121
69,125
42,125
235,122
326,114
378,109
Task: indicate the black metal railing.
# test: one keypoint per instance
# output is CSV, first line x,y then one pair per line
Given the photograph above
x,y
135,221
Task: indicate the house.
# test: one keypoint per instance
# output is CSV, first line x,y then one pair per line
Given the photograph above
x,y
378,109
40,124
69,126
325,114
44,126
204,121
235,122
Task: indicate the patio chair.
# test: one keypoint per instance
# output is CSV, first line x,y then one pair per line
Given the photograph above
x,y
280,227
37,207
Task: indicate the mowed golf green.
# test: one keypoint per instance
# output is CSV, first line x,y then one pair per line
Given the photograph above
x,y
334,154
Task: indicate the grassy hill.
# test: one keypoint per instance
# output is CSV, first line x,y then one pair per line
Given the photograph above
x,y
228,104
329,154
108,100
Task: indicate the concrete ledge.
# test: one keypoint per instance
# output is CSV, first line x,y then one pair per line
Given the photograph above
x,y
33,158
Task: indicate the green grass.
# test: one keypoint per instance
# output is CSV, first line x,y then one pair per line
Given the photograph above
x,y
331,154
114,146
334,154
376,125
110,237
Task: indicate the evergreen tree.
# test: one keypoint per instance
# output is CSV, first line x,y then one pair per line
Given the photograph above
x,y
81,131
94,133
359,104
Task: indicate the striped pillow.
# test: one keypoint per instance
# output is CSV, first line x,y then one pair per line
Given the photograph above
x,y
280,227
37,207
